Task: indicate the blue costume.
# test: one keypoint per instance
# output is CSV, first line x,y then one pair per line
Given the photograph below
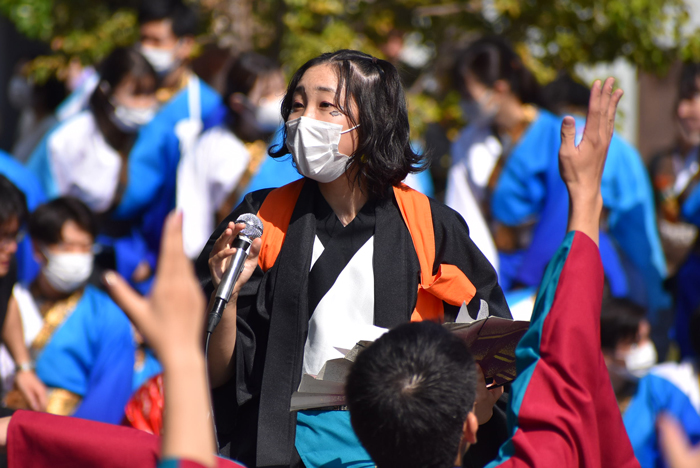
x,y
152,170
92,355
152,174
669,388
530,189
27,267
688,277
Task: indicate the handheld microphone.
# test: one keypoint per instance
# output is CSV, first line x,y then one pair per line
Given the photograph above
x,y
242,243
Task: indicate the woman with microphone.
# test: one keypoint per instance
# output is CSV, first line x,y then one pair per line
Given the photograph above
x,y
346,252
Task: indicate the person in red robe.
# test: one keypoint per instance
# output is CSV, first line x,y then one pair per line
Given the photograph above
x,y
562,413
562,410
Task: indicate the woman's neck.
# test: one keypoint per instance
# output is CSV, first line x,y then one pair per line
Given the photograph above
x,y
344,196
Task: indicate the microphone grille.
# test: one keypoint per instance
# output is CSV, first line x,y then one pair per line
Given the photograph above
x,y
253,228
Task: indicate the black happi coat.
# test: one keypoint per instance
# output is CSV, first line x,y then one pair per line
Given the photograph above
x,y
252,413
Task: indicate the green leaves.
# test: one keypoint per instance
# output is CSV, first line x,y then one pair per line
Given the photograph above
x,y
551,35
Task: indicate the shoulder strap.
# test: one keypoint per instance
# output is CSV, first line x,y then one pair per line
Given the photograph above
x,y
275,214
449,284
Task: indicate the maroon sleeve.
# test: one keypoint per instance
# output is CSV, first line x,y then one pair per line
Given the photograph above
x,y
563,410
44,440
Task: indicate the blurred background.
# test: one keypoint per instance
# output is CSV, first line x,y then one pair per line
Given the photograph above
x,y
640,42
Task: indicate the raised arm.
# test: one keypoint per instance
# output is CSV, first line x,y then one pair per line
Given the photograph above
x,y
581,166
172,322
563,410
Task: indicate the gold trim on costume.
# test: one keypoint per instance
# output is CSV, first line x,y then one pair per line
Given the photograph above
x,y
62,402
53,319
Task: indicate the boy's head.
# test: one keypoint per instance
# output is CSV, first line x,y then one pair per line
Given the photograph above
x,y
624,341
167,29
411,397
13,210
63,231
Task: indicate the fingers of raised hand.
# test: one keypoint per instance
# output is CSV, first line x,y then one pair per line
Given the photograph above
x,y
593,117
612,110
606,96
568,136
172,259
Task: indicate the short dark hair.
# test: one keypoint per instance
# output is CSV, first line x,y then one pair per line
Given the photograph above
x,y
619,321
13,203
490,59
46,222
689,83
565,91
384,156
409,395
184,18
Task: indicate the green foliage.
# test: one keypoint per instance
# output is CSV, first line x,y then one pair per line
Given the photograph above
x,y
551,35
85,30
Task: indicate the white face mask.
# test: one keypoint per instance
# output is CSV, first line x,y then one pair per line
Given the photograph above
x,y
640,359
268,115
129,119
314,147
162,60
66,272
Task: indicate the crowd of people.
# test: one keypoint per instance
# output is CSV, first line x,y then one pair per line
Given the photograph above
x,y
99,284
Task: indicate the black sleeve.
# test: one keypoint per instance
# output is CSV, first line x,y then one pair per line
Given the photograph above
x,y
235,402
454,246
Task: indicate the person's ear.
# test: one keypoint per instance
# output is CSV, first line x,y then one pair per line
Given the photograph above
x,y
471,425
184,50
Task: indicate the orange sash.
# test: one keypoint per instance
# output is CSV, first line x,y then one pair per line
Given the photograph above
x,y
449,284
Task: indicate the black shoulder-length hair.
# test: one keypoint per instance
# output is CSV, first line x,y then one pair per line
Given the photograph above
x,y
384,156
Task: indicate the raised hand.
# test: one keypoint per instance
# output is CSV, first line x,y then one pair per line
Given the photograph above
x,y
172,318
581,167
172,321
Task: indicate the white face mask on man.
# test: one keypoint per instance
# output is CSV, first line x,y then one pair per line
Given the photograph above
x,y
162,60
314,147
67,271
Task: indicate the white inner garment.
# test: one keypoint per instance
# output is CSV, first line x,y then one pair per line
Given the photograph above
x,y
82,162
345,315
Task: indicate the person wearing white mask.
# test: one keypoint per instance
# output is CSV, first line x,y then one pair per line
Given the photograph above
x,y
85,157
81,343
163,159
232,155
346,252
505,174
